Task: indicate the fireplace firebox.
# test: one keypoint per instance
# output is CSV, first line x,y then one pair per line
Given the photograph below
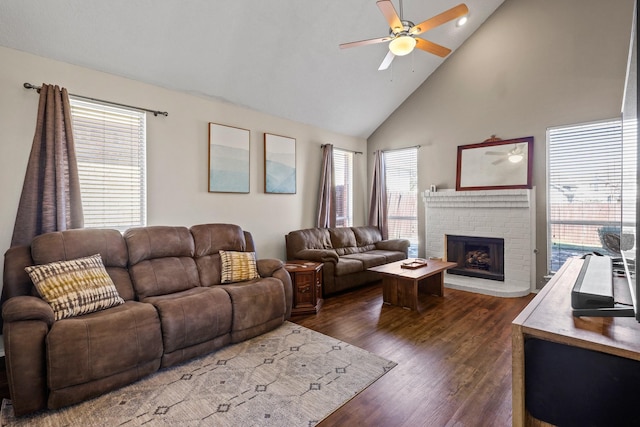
x,y
481,257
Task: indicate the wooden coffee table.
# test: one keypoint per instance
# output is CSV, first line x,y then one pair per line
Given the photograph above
x,y
400,285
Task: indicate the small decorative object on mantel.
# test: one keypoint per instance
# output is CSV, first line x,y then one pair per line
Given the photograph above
x,y
495,164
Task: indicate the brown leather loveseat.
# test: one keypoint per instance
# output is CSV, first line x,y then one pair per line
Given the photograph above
x,y
175,308
346,252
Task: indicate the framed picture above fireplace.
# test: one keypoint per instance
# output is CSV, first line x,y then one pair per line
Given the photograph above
x,y
495,164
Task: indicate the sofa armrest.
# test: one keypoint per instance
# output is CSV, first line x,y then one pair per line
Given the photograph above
x,y
27,321
27,308
318,255
401,245
266,267
275,268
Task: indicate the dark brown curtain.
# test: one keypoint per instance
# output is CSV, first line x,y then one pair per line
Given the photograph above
x,y
327,193
378,204
50,199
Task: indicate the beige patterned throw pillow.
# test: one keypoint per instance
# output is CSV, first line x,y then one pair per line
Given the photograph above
x,y
75,287
238,266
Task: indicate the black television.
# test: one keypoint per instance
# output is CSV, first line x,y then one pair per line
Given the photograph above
x,y
592,294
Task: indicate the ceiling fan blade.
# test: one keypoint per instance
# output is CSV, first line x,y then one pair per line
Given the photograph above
x,y
386,61
496,153
364,42
432,47
444,17
390,14
499,161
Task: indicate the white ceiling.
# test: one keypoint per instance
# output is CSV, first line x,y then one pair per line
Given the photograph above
x,y
276,56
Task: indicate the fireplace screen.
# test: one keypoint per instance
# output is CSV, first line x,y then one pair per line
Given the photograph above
x,y
481,257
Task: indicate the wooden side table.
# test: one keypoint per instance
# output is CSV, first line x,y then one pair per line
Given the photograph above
x,y
306,277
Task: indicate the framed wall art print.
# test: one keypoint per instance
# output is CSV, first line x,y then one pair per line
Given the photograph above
x,y
279,164
228,159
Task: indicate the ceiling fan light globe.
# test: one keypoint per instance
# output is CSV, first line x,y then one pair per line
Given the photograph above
x,y
462,21
515,158
402,45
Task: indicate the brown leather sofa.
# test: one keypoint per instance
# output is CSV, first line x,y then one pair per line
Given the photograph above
x,y
175,309
346,252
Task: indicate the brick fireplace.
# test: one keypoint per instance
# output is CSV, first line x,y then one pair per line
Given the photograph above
x,y
504,216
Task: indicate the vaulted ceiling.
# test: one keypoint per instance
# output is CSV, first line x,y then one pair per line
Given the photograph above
x,y
276,56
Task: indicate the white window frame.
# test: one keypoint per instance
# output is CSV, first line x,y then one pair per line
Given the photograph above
x,y
110,145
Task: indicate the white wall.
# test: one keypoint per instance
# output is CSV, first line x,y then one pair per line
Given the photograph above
x,y
177,150
532,65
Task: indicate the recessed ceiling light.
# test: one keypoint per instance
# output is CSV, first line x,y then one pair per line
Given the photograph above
x,y
462,21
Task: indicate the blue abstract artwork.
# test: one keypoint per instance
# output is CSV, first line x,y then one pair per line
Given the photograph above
x,y
279,164
228,159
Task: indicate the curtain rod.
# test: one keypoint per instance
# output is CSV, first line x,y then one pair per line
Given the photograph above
x,y
351,151
403,148
155,112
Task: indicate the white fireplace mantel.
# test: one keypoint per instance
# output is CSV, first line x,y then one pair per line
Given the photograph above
x,y
506,214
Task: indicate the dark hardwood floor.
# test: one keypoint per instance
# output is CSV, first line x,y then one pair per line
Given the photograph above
x,y
454,357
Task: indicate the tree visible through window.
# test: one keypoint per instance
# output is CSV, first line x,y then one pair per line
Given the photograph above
x,y
584,164
110,149
343,174
401,176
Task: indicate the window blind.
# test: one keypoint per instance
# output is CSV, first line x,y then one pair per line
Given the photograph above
x,y
584,188
343,176
110,148
401,177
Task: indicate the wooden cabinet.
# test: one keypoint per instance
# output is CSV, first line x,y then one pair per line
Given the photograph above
x,y
306,277
548,319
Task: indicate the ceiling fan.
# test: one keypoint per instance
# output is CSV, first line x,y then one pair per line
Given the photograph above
x,y
402,33
515,155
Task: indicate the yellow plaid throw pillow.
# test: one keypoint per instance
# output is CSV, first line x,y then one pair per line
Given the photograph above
x,y
238,266
75,287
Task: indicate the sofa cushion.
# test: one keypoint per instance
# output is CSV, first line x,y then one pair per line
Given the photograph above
x,y
146,243
258,306
192,317
309,238
238,266
161,260
343,240
79,243
348,266
368,259
98,345
367,235
390,256
209,240
75,287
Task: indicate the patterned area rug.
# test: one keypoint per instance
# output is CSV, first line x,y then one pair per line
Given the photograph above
x,y
291,376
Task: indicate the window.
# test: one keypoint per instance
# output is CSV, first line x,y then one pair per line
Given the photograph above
x,y
401,176
343,174
584,188
110,149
